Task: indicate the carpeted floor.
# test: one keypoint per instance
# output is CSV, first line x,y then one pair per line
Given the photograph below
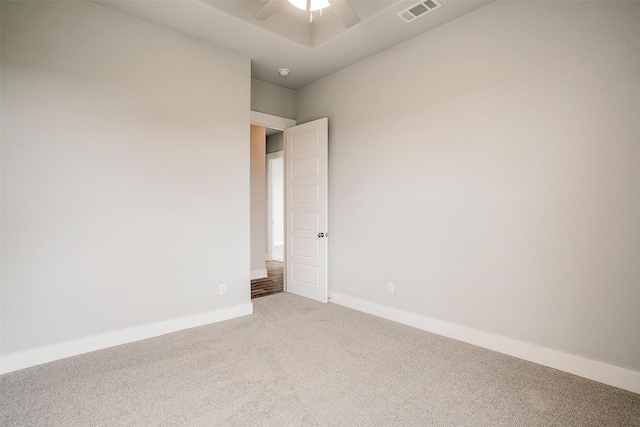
x,y
296,362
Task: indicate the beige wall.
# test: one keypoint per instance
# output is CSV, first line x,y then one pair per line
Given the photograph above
x,y
271,99
258,198
275,142
490,168
125,192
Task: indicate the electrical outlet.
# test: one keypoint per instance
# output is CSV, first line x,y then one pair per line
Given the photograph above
x,y
391,287
223,288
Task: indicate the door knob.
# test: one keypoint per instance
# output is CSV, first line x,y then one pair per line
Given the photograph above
x,y
321,235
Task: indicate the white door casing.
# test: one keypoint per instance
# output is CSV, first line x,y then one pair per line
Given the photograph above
x,y
306,191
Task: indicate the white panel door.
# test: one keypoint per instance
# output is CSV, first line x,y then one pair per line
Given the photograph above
x,y
306,151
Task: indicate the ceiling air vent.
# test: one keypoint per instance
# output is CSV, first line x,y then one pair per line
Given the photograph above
x,y
418,10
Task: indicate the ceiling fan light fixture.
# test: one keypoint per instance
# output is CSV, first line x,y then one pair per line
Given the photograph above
x,y
313,5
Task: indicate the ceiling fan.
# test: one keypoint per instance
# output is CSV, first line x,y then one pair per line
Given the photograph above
x,y
341,8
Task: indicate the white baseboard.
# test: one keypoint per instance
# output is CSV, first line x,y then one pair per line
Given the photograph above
x,y
586,368
259,274
26,359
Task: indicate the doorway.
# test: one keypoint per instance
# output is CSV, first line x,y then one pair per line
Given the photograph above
x,y
273,281
268,243
304,243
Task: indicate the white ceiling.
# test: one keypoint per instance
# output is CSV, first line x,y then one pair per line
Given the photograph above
x,y
287,39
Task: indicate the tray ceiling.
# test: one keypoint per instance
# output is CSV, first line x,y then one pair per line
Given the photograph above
x,y
311,50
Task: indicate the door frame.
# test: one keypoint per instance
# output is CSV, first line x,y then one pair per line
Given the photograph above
x,y
272,122
279,123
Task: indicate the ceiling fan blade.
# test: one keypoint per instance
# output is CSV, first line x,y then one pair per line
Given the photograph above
x,y
267,9
345,13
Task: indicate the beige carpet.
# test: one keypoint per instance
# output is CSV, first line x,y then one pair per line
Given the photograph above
x,y
300,363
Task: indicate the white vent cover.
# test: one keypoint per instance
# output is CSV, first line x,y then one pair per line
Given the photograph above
x,y
418,10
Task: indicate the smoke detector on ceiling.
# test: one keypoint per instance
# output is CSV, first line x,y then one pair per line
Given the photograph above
x,y
419,9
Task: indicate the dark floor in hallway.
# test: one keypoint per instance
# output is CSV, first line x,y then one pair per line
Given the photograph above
x,y
269,285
